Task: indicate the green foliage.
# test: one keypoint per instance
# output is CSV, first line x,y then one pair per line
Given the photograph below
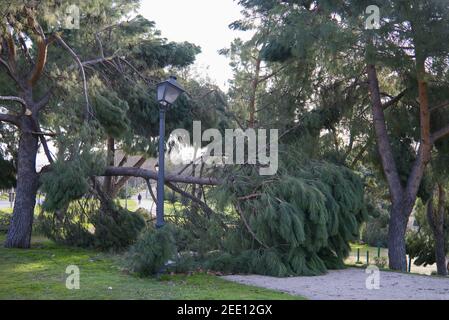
x,y
421,247
302,220
380,262
67,181
5,220
298,222
85,223
118,229
152,251
421,243
111,111
375,230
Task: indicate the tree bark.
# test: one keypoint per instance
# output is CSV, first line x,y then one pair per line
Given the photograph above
x,y
19,233
402,199
396,237
399,212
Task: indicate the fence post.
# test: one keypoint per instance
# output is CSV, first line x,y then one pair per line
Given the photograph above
x,y
358,256
367,257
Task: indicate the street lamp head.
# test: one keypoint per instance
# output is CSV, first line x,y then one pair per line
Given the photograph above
x,y
168,91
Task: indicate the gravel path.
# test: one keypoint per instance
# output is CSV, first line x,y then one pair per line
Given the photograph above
x,y
350,284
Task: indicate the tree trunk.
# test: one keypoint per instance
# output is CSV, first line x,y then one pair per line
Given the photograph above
x,y
396,237
440,254
19,233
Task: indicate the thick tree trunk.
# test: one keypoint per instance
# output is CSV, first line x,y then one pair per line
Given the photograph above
x,y
440,254
396,237
19,233
402,199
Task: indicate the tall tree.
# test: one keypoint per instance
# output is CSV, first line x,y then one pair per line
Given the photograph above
x,y
411,66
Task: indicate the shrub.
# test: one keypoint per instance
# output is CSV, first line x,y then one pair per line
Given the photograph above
x,y
380,262
86,224
5,220
221,261
118,230
151,252
375,231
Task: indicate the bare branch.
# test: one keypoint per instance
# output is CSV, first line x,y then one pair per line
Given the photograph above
x,y
46,148
8,68
439,106
83,74
394,100
239,210
187,195
10,119
100,45
96,61
25,110
439,134
14,99
117,186
150,189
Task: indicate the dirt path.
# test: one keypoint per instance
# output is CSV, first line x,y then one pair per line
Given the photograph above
x,y
351,284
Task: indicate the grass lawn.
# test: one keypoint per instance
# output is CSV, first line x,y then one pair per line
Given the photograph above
x,y
39,273
5,210
132,204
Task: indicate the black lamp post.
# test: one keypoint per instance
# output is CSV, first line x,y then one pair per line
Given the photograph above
x,y
167,93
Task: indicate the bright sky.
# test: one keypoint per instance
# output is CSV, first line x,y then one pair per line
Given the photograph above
x,y
202,22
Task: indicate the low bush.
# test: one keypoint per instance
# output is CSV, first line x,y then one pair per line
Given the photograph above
x,y
5,220
154,248
375,230
86,224
380,262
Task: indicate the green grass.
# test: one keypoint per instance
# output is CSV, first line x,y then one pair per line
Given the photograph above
x,y
39,273
132,204
5,210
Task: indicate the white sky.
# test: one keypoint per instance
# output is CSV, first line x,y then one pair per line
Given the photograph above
x,y
202,22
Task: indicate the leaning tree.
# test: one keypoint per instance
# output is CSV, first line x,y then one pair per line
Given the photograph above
x,y
79,88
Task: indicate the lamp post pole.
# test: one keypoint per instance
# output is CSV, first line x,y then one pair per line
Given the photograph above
x,y
167,93
161,169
